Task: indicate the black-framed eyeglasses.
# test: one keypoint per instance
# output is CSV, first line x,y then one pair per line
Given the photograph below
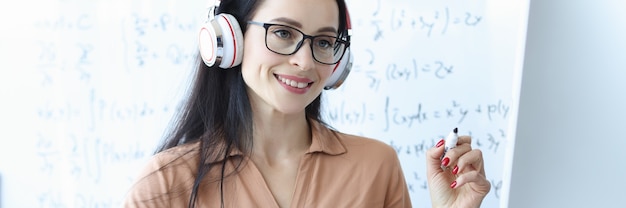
x,y
287,40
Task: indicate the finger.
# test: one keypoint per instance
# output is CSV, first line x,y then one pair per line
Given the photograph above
x,y
479,182
433,156
464,140
452,155
472,160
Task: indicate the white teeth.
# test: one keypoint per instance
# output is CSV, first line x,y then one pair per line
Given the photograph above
x,y
294,83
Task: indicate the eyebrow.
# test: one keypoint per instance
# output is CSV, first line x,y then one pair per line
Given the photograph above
x,y
297,24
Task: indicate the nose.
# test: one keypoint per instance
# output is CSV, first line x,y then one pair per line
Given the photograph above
x,y
303,58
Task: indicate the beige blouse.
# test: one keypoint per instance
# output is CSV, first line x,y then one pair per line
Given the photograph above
x,y
338,170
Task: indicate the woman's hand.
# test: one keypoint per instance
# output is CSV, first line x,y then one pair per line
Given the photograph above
x,y
462,181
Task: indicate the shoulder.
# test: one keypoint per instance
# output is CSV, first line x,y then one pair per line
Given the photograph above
x,y
183,155
368,166
164,171
169,165
366,147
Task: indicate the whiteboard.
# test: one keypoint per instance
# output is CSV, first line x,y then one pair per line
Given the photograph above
x,y
89,88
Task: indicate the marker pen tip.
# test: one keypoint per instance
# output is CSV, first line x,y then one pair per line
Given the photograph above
x,y
456,130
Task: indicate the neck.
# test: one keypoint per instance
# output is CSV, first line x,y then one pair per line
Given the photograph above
x,y
280,136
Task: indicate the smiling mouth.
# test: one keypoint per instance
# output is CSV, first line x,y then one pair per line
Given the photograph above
x,y
293,83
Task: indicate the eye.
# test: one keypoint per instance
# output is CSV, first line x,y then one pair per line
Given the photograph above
x,y
282,33
324,42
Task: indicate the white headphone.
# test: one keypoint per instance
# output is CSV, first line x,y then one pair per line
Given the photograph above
x,y
221,44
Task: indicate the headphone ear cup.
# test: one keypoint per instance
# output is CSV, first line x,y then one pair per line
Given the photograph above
x,y
342,69
221,42
208,44
232,36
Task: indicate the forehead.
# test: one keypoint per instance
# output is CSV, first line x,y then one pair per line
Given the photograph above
x,y
311,14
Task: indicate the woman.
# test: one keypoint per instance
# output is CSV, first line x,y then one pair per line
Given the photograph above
x,y
252,135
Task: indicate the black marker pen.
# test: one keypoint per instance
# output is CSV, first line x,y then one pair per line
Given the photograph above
x,y
451,141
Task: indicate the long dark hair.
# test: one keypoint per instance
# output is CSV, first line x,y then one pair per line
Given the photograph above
x,y
217,111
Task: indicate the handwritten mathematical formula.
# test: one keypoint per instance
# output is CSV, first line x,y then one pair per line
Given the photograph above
x,y
84,50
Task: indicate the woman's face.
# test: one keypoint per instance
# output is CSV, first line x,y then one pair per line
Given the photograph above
x,y
287,83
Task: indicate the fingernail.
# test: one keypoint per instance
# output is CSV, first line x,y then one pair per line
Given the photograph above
x,y
455,169
445,161
453,184
440,143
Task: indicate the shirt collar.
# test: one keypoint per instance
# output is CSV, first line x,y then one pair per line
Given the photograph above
x,y
323,139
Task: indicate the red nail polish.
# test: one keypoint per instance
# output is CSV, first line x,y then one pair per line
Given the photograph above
x,y
440,143
445,161
455,170
453,184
